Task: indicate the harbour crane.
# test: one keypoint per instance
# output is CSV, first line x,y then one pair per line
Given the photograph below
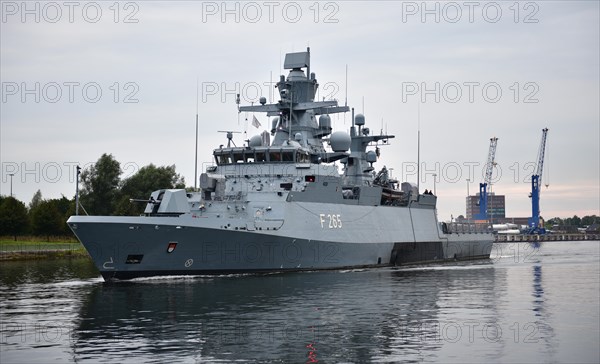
x,y
483,194
536,182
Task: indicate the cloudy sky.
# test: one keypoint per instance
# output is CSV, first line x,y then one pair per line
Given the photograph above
x,y
84,78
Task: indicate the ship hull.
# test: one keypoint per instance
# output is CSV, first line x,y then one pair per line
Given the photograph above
x,y
131,247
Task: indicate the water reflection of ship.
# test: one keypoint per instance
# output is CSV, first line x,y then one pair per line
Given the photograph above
x,y
321,316
538,290
423,329
542,326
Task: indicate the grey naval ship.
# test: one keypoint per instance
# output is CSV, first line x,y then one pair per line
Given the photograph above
x,y
284,205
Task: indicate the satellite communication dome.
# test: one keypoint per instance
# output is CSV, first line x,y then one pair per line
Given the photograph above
x,y
324,122
371,156
359,119
255,141
340,141
263,100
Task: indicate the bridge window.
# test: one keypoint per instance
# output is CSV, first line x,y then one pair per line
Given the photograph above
x,y
223,158
238,157
249,156
288,156
281,156
261,157
275,156
302,158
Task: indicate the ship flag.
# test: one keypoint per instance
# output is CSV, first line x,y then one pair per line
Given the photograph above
x,y
255,122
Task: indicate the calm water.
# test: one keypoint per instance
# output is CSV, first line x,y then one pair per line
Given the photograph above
x,y
527,304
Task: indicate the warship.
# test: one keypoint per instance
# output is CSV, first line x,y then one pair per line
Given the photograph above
x,y
309,200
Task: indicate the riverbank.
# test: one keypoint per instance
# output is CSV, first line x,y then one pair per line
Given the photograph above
x,y
532,238
31,247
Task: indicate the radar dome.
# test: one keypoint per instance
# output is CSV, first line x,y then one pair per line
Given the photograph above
x,y
255,141
371,156
340,141
324,122
359,119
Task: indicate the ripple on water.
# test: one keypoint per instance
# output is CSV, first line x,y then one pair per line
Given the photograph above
x,y
480,311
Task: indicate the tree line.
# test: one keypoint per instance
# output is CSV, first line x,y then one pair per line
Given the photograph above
x,y
572,223
102,192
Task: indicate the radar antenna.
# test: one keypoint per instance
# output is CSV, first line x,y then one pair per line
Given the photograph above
x,y
229,136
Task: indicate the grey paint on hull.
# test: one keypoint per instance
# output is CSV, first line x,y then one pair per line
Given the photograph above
x,y
201,249
128,247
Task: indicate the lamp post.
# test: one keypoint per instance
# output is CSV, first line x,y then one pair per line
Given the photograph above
x,y
11,176
434,178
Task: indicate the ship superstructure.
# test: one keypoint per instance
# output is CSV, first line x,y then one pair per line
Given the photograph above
x,y
284,205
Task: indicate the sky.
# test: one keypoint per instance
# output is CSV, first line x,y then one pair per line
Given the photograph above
x,y
80,79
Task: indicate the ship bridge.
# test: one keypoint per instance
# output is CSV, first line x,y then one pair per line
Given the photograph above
x,y
272,154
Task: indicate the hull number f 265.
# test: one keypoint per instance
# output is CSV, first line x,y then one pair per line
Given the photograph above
x,y
331,221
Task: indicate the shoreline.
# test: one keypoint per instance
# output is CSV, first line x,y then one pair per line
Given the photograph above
x,y
42,254
35,250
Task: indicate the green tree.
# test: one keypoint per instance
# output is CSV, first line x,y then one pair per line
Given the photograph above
x,y
36,200
99,186
66,208
13,217
573,221
590,220
553,221
139,186
47,220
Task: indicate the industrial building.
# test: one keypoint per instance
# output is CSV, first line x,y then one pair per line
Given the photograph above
x,y
496,207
